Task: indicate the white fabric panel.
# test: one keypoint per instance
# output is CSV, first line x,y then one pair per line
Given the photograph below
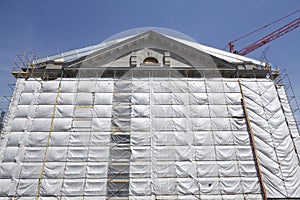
x,y
209,185
59,139
66,99
160,87
73,187
104,86
140,86
186,169
46,98
231,86
41,124
204,138
196,86
205,153
102,111
184,153
218,111
54,170
178,86
64,111
223,137
77,153
17,139
233,98
251,185
228,168
83,112
13,154
214,86
200,111
75,170
7,187
63,124
162,99
10,170
201,124
44,111
29,99
95,187
198,98
27,187
186,186
32,86
287,111
140,169
184,138
68,86
230,185
101,124
19,124
23,111
163,138
83,99
96,170
179,99
219,124
140,153
140,124
164,185
86,86
34,154
241,138
103,98
51,187
140,111
216,98
100,138
56,154
225,153
140,98
36,139
31,170
247,168
49,86
164,169
97,154
140,138
140,187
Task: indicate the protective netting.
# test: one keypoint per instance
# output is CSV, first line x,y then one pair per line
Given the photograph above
x,y
146,138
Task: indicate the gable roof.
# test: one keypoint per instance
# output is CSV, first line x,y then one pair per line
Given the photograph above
x,y
206,51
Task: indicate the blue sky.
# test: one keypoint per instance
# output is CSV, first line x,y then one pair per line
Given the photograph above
x,y
55,26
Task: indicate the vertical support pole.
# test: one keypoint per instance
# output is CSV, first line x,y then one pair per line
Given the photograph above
x,y
253,145
48,142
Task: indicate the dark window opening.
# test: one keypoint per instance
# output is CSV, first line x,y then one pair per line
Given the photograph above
x,y
150,60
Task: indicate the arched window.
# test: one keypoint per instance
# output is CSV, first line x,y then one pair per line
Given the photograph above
x,y
150,60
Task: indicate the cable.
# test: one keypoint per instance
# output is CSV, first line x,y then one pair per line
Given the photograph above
x,y
265,26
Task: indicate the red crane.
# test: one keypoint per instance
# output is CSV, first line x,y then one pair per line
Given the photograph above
x,y
268,38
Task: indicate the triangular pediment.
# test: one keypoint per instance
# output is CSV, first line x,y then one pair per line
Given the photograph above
x,y
181,53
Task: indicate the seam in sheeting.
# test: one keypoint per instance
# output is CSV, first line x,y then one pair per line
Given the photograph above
x,y
48,141
253,143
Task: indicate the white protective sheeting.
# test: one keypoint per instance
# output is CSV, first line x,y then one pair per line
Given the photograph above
x,y
275,135
161,138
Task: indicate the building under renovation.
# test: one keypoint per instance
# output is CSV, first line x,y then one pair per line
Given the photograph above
x,y
149,114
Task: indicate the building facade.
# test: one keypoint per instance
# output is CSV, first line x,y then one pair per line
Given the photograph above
x,y
149,115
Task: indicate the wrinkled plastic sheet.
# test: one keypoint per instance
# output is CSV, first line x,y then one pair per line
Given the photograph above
x,y
183,139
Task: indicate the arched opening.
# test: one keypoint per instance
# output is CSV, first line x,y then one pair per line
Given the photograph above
x,y
150,60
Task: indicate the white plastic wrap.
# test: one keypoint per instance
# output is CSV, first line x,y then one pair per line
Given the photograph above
x,y
147,138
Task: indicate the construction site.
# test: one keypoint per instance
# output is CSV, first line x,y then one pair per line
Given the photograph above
x,y
150,114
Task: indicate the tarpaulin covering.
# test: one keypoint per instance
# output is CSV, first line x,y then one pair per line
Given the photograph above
x,y
147,138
